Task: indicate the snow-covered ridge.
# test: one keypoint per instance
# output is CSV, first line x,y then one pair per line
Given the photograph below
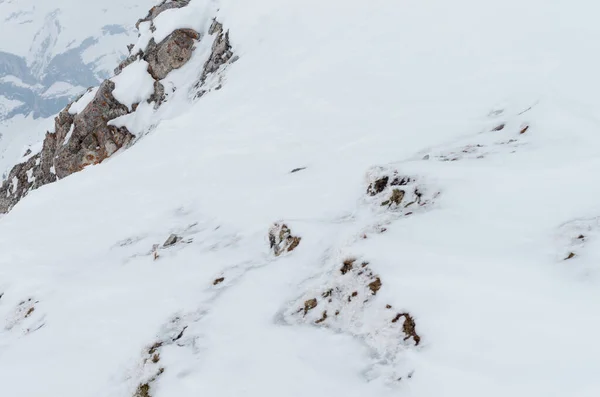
x,y
106,118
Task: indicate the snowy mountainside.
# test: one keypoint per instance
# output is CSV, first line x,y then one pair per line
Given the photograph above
x,y
374,199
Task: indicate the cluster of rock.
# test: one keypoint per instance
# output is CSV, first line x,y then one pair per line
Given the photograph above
x,y
281,239
87,138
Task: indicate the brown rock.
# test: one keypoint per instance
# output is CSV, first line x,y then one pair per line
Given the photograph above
x,y
378,186
348,265
171,53
309,305
375,286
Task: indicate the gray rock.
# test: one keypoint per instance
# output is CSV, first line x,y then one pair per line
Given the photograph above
x,y
18,183
92,140
165,5
221,53
126,62
171,53
158,96
172,240
221,50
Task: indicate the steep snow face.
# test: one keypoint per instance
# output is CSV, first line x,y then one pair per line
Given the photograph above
x,y
443,149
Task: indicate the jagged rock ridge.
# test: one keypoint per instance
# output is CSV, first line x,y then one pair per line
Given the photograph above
x,y
86,138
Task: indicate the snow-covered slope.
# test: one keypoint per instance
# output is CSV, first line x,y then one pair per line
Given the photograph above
x,y
432,163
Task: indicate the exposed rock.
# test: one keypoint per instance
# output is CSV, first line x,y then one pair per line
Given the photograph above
x,y
281,239
77,142
18,183
396,197
63,123
375,286
86,138
172,240
499,127
409,327
378,186
171,53
221,50
92,140
165,5
158,96
309,305
323,318
45,172
23,311
219,281
126,62
347,266
347,304
221,53
401,181
384,185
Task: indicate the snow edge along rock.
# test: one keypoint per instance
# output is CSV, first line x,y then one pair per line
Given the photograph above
x,y
83,134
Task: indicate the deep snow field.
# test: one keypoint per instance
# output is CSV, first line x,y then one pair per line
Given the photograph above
x,y
489,109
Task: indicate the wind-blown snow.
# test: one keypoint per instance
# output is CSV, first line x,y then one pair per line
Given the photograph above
x,y
181,18
437,90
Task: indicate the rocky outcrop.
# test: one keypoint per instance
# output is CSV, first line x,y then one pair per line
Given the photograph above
x,y
92,140
281,239
77,141
221,50
163,6
221,54
87,138
171,53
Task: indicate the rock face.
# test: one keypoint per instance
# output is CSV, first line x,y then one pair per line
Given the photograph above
x,y
281,239
78,141
87,138
163,6
171,53
221,54
91,140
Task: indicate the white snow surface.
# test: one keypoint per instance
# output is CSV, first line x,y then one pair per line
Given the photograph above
x,y
19,134
134,84
439,91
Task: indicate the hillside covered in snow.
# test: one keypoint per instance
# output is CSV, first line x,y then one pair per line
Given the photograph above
x,y
310,198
